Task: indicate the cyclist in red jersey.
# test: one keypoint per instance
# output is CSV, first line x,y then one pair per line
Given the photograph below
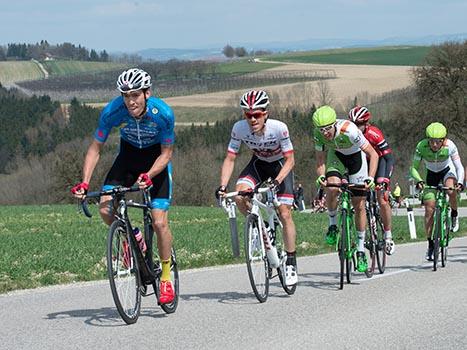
x,y
361,116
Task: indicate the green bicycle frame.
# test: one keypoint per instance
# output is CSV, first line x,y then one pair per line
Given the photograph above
x,y
441,210
346,221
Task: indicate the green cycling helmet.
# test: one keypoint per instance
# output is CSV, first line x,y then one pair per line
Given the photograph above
x,y
436,131
324,116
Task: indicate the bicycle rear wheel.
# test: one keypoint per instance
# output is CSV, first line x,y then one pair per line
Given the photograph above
x,y
436,237
123,273
381,255
256,260
170,308
371,243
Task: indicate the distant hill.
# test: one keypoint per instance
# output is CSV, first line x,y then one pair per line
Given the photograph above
x,y
215,53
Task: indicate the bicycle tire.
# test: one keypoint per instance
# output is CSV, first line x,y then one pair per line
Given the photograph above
x,y
170,308
123,274
436,237
381,255
348,248
341,248
290,290
445,240
255,258
234,237
371,243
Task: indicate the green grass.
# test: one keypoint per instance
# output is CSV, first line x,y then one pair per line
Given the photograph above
x,y
397,55
13,71
59,67
53,244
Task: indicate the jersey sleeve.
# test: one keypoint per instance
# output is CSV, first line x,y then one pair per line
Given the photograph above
x,y
168,133
356,136
284,137
378,141
417,158
105,124
456,159
235,141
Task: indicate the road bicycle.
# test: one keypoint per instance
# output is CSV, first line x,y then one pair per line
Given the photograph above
x,y
130,270
375,242
263,241
346,243
441,230
230,208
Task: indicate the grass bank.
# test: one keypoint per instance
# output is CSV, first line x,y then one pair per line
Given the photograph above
x,y
53,244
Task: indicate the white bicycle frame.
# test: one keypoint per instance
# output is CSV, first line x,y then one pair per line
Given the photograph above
x,y
258,208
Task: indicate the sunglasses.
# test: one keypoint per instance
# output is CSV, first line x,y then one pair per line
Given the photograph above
x,y
326,129
436,140
255,114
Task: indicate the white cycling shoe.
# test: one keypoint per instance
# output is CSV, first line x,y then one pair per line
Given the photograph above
x,y
454,224
291,276
390,247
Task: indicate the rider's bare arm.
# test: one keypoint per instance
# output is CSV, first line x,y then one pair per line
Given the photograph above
x,y
373,157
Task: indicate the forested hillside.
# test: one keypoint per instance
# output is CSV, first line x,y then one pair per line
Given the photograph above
x,y
42,146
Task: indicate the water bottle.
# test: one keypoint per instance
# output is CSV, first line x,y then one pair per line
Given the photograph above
x,y
140,239
271,250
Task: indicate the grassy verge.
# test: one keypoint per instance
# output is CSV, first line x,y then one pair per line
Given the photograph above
x,y
53,244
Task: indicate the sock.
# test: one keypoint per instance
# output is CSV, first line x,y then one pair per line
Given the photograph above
x,y
361,241
453,213
431,245
332,217
165,270
291,259
387,234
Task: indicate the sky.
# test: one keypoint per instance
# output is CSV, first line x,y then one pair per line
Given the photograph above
x,y
129,26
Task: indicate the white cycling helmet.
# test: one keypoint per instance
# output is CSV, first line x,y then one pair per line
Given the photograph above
x,y
254,99
133,79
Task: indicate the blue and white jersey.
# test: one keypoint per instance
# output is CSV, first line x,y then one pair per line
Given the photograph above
x,y
155,127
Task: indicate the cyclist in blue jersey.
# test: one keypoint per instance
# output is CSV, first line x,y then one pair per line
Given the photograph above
x,y
147,136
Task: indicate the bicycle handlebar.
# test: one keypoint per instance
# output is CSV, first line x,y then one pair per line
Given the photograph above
x,y
112,192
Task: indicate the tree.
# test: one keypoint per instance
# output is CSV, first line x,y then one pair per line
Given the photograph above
x,y
228,51
240,52
93,56
441,87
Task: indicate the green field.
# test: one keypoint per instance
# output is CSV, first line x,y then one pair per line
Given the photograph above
x,y
60,67
391,55
53,244
13,71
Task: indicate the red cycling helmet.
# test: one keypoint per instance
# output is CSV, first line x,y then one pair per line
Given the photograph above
x,y
359,115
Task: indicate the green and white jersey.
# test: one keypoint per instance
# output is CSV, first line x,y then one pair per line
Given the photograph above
x,y
446,157
347,140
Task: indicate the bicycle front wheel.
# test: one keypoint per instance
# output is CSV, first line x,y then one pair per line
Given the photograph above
x,y
123,273
342,247
256,260
445,240
381,255
170,308
436,238
371,243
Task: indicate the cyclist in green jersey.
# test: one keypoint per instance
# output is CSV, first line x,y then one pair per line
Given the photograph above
x,y
341,149
443,165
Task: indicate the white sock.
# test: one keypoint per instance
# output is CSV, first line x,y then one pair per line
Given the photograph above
x,y
361,241
387,234
332,217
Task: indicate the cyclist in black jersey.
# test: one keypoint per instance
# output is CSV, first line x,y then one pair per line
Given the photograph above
x,y
147,136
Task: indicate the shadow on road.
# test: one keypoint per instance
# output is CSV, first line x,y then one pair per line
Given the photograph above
x,y
104,317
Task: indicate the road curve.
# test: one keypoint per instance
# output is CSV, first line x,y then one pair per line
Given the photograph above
x,y
410,306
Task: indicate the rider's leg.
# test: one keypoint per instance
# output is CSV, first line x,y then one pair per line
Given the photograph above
x,y
331,203
451,182
160,224
386,217
243,203
358,203
106,209
285,214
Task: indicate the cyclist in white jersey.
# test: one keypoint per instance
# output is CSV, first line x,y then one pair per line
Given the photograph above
x,y
443,165
341,149
273,158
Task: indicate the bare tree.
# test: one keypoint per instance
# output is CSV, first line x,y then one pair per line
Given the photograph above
x,y
324,93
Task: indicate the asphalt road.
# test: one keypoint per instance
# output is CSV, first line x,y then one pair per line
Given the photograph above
x,y
408,307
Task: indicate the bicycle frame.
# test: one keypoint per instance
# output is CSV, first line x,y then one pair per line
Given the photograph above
x,y
347,215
